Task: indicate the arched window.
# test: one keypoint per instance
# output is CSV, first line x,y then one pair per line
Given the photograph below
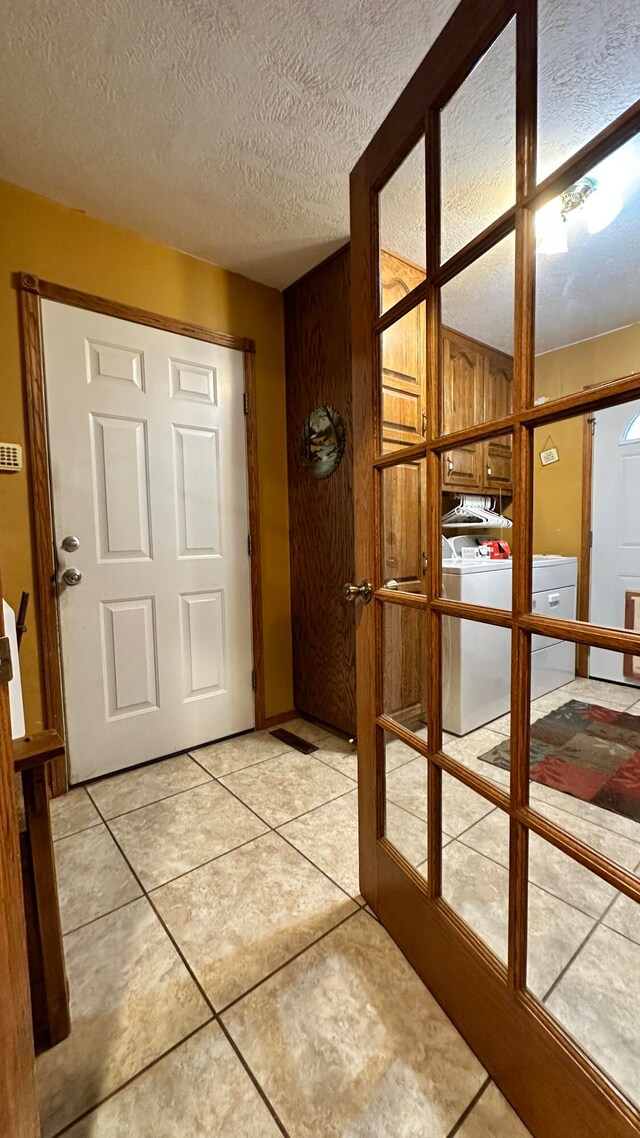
x,y
632,430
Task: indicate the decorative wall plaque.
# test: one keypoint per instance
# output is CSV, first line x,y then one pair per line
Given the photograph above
x,y
322,442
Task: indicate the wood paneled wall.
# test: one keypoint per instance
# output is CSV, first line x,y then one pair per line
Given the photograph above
x,y
318,371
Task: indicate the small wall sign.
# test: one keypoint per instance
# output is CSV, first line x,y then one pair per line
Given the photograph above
x,y
550,453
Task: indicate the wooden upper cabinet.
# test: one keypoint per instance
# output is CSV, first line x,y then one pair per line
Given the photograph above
x,y
403,362
477,387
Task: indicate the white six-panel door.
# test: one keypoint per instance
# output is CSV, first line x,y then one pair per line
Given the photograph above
x,y
149,472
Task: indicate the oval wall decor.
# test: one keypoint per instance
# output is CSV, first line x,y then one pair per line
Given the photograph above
x,y
322,442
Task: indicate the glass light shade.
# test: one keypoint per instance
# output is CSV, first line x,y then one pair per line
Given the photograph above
x,y
551,228
601,208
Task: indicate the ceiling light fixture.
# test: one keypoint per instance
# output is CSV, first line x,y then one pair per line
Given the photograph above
x,y
599,210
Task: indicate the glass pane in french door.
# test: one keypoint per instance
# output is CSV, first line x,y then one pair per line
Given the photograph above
x,y
476,697
475,882
585,757
588,278
403,526
477,354
402,382
584,962
590,571
404,675
478,146
587,73
406,801
405,667
402,229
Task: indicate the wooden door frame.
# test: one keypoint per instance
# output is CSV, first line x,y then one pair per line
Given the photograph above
x,y
18,1104
31,291
549,1080
584,567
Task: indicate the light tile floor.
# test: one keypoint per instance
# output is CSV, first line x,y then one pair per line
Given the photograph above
x,y
227,979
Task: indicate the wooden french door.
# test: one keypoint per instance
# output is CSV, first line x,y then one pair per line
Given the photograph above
x,y
491,990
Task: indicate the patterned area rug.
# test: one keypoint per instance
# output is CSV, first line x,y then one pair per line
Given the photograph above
x,y
590,752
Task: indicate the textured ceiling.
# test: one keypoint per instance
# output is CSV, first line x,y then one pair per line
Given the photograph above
x,y
228,129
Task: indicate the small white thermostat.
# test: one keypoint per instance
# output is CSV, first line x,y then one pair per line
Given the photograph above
x,y
10,457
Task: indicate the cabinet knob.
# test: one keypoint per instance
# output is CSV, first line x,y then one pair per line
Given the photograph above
x,y
489,472
449,465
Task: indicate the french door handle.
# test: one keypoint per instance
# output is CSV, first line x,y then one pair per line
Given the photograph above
x,y
363,591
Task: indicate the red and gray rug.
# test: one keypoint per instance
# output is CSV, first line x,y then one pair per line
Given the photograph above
x,y
590,752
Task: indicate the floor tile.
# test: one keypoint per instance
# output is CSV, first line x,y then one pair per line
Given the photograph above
x,y
608,819
468,749
472,745
615,846
624,917
407,787
200,1088
282,788
336,743
478,890
492,1117
138,787
309,731
540,707
241,916
397,754
345,761
328,836
239,752
461,806
619,696
348,1043
131,1000
558,874
72,812
93,877
171,837
598,1002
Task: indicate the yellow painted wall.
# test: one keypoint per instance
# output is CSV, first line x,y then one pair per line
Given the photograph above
x,y
66,246
558,497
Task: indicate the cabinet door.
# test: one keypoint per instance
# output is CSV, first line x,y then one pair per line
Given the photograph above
x,y
462,467
463,382
498,385
403,373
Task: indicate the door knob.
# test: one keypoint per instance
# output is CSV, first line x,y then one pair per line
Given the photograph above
x,y
361,592
72,576
391,583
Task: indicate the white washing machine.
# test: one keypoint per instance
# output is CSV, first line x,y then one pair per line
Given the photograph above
x,y
476,658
